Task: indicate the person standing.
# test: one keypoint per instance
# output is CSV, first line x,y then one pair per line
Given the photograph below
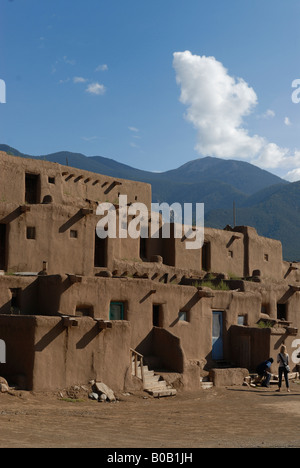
x,y
284,369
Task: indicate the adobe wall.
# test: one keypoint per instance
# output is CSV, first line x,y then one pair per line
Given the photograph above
x,y
139,296
261,254
18,335
28,301
251,346
227,251
71,186
66,356
43,355
53,243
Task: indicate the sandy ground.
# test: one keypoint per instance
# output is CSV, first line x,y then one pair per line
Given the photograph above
x,y
231,417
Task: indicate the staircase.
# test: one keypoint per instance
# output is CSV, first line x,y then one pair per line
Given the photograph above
x,y
152,383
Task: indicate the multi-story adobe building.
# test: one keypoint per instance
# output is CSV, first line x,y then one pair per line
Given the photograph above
x,y
75,308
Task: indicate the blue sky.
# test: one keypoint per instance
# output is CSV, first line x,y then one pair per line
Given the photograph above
x,y
100,77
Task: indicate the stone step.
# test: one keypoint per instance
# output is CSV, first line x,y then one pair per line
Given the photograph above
x,y
161,386
147,374
152,383
152,378
207,385
163,393
145,369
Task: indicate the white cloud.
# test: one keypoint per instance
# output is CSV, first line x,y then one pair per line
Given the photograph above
x,y
217,105
287,121
64,81
69,61
133,129
89,139
269,114
293,176
79,79
103,67
96,88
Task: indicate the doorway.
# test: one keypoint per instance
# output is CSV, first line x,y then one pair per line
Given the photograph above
x,y
158,317
206,254
3,245
32,183
217,336
282,312
100,260
15,304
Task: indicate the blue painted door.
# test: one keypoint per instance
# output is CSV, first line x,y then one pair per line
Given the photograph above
x,y
217,336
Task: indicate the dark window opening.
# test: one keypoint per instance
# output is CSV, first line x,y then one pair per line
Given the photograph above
x,y
282,312
31,233
73,234
3,242
51,180
143,248
206,255
84,311
265,309
15,304
100,252
32,189
47,200
158,316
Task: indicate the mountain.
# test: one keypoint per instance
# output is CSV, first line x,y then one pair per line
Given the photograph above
x,y
241,175
274,212
233,177
263,200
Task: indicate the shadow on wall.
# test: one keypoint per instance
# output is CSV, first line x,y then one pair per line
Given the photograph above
x,y
162,351
23,300
51,289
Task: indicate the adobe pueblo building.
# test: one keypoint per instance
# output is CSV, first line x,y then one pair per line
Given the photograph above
x,y
75,308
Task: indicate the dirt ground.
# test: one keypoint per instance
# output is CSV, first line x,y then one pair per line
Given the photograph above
x,y
232,417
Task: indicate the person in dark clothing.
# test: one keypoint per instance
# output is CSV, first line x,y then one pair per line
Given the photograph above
x,y
263,370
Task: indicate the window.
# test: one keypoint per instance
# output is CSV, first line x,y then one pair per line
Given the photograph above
x,y
230,253
183,316
266,257
51,180
242,320
73,234
116,311
31,233
47,200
